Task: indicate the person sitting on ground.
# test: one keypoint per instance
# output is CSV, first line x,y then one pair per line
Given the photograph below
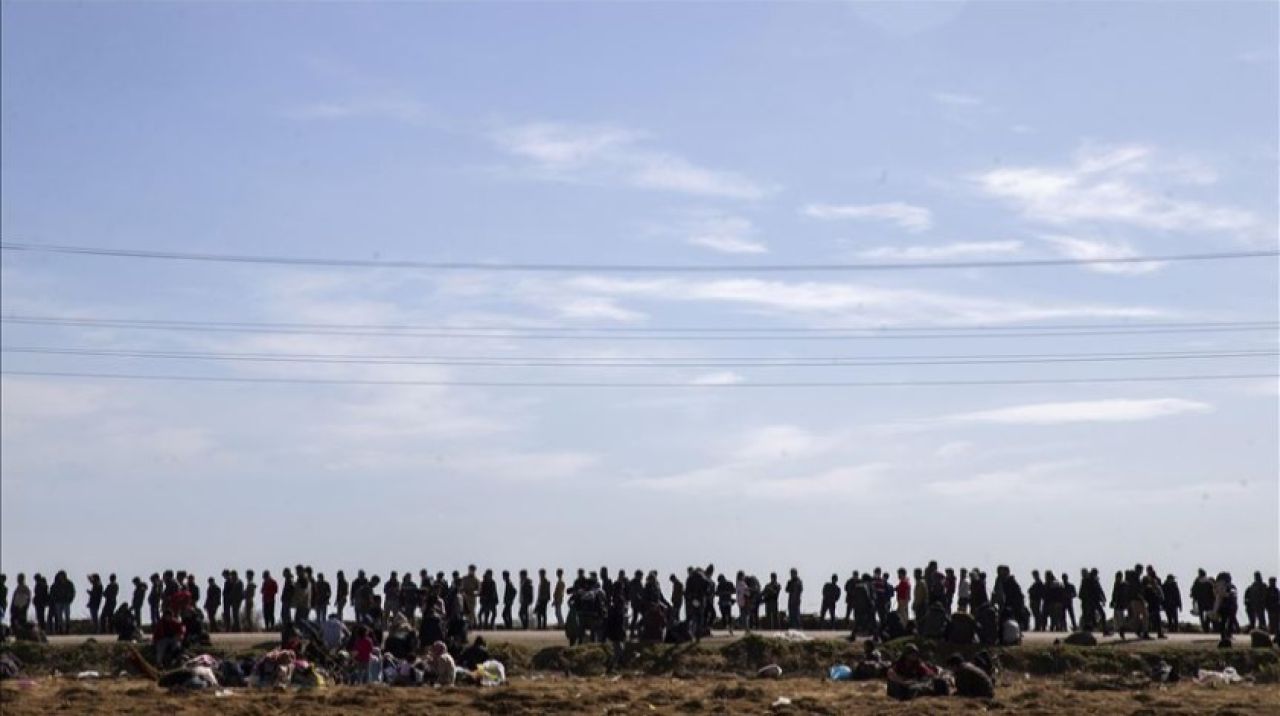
x,y
475,654
872,665
441,665
911,676
971,681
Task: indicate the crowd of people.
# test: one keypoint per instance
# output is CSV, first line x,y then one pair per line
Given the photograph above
x,y
616,607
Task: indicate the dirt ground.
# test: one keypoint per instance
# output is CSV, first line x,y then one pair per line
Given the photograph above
x,y
645,695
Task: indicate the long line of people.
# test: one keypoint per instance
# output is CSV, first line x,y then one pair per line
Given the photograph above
x,y
601,606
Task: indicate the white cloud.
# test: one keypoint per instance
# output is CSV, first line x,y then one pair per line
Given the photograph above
x,y
837,482
851,303
1111,185
941,251
954,449
1074,248
779,442
957,99
726,234
597,307
606,153
1026,482
907,216
1084,411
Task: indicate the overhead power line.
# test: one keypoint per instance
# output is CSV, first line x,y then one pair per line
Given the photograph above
x,y
604,384
613,268
865,361
511,327
588,334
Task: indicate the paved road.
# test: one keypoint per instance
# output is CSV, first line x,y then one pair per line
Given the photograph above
x,y
540,639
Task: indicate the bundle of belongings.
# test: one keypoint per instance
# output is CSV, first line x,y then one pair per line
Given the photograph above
x,y
196,673
436,668
275,668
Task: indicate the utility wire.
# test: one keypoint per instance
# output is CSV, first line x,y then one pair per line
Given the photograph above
x,y
854,334
147,322
598,384
404,360
613,268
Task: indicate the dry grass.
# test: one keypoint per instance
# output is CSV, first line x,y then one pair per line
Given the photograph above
x,y
641,695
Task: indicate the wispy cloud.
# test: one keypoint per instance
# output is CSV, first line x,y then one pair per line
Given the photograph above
x,y
957,99
1084,411
941,251
834,303
1026,482
608,153
1076,248
1111,185
906,216
724,377
727,234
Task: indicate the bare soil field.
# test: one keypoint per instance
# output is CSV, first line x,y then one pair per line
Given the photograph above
x,y
642,695
545,676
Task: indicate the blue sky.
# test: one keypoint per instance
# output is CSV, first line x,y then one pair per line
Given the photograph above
x,y
640,133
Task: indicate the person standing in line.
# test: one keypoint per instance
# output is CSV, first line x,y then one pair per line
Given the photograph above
x,y
1119,604
270,588
110,595
489,600
1069,595
795,589
526,598
139,598
322,593
963,596
677,599
771,594
228,589
212,601
1172,601
286,597
302,595
62,593
343,592
237,600
21,599
902,592
509,594
95,602
1273,607
725,595
830,596
469,587
1202,599
154,598
1255,603
250,592
557,598
1035,594
543,599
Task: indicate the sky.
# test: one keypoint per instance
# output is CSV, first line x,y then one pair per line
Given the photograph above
x,y
623,133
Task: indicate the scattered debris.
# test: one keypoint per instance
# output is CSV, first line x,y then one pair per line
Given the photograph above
x,y
772,671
